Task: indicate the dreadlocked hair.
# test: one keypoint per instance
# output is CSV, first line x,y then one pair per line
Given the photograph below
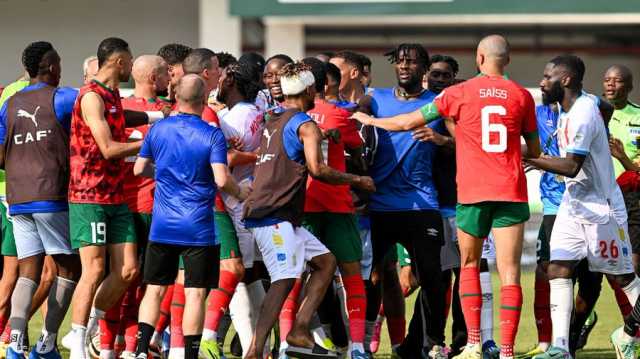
x,y
33,55
244,75
225,59
422,54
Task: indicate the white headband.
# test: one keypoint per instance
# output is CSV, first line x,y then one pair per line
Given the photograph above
x,y
296,84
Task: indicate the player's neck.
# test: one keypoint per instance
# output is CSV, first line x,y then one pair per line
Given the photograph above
x,y
189,109
492,70
44,79
409,91
570,97
620,103
108,78
353,93
320,96
233,98
144,91
293,103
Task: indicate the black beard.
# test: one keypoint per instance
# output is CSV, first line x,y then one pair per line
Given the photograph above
x,y
555,93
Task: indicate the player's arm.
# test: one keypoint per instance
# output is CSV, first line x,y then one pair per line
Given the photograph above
x,y
311,137
93,115
3,132
533,145
568,166
225,181
530,128
239,158
144,167
364,105
617,151
139,118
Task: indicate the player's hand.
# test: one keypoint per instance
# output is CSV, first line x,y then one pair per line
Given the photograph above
x,y
332,134
216,106
617,148
235,143
166,110
365,183
408,281
363,118
427,134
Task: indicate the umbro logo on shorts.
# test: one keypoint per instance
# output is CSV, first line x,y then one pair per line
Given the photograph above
x,y
432,232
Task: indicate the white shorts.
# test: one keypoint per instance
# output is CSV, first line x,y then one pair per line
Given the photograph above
x,y
246,239
366,263
449,254
606,246
489,248
40,233
286,249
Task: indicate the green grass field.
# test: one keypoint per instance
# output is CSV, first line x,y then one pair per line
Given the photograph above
x,y
598,346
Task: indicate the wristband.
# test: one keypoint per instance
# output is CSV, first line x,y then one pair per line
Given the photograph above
x,y
154,116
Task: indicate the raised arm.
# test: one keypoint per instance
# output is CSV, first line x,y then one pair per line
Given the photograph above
x,y
93,115
310,135
403,122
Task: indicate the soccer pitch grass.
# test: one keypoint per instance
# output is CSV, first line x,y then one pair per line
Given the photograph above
x,y
598,346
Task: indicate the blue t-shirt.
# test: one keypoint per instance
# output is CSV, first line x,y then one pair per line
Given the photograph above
x,y
402,167
295,151
183,147
63,101
551,185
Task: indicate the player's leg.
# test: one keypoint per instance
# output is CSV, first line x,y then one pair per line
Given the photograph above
x,y
323,265
474,223
47,278
632,203
160,271
54,233
231,273
489,348
31,253
198,277
589,287
458,327
424,243
9,272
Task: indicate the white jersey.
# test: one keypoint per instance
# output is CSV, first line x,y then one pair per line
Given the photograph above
x,y
593,195
245,122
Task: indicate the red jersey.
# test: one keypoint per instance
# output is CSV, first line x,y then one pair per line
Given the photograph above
x,y
491,113
210,116
95,179
320,196
138,190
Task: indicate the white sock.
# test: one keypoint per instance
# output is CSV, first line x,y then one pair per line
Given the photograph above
x,y
486,314
240,311
47,342
92,325
15,342
78,348
176,353
208,334
561,303
632,290
357,346
107,354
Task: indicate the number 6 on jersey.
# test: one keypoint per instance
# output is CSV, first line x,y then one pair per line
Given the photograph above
x,y
488,128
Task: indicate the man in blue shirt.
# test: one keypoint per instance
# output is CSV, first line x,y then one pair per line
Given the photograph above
x,y
34,146
405,206
189,159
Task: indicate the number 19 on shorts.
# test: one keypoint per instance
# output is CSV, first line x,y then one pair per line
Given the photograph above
x,y
98,232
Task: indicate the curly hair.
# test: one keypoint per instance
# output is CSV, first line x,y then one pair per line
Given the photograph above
x,y
293,69
33,55
174,53
422,54
245,78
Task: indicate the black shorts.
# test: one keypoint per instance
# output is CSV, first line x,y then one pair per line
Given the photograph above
x,y
201,265
543,252
632,202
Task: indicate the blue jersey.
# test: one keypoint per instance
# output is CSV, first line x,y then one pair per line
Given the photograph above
x,y
295,151
63,101
551,185
183,147
402,166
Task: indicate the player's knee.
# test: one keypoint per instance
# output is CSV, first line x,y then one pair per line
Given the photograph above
x,y
327,263
622,280
93,272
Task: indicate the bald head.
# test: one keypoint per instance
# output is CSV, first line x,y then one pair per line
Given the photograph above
x,y
146,66
191,91
495,49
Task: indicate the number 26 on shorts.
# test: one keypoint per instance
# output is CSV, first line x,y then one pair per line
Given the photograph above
x,y
608,249
488,128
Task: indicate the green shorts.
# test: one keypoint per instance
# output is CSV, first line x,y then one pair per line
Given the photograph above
x,y
8,247
477,219
338,231
100,224
226,236
403,255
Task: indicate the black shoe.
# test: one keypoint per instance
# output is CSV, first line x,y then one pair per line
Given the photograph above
x,y
585,331
236,347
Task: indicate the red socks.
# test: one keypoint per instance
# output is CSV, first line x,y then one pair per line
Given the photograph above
x,y
621,299
511,297
219,299
165,308
289,310
356,306
542,310
6,334
109,326
177,311
471,300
